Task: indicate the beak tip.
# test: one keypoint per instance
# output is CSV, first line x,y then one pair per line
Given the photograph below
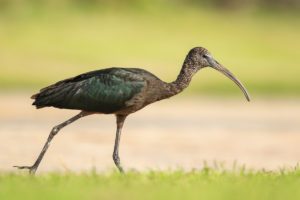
x,y
248,98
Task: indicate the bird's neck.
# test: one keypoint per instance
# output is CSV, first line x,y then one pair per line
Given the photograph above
x,y
188,70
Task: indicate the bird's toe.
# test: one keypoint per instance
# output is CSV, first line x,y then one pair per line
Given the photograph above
x,y
32,169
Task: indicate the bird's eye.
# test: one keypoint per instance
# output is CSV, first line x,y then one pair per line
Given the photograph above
x,y
205,56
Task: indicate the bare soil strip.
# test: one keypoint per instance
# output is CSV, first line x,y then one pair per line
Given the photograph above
x,y
175,133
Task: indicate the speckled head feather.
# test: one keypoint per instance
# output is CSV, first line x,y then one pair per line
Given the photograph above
x,y
196,58
199,51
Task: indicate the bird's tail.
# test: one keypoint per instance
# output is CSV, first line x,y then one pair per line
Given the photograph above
x,y
53,95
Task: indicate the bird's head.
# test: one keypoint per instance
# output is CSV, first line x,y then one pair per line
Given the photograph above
x,y
200,57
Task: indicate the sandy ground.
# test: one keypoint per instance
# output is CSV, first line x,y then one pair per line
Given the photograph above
x,y
179,132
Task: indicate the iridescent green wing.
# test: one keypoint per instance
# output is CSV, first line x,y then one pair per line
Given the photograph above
x,y
103,91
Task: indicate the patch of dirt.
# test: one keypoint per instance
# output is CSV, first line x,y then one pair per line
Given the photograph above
x,y
172,133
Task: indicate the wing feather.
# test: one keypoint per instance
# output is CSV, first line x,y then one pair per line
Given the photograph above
x,y
103,91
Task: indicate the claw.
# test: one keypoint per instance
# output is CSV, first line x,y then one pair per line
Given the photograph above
x,y
32,169
120,169
22,167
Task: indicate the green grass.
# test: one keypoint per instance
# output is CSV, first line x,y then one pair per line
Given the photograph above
x,y
204,184
40,46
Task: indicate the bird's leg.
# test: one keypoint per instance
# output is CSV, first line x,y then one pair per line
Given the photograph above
x,y
116,158
53,132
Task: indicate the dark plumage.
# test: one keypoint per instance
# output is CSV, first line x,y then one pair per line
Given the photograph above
x,y
102,91
119,91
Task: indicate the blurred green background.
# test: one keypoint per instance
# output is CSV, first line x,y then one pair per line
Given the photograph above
x,y
42,42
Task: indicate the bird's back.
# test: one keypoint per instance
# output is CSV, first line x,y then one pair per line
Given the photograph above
x,y
104,91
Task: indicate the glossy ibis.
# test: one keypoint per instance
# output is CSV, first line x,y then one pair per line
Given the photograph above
x,y
119,91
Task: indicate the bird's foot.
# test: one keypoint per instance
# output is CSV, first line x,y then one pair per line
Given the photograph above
x,y
120,169
118,163
32,169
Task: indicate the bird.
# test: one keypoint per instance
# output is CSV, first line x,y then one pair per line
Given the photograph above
x,y
119,91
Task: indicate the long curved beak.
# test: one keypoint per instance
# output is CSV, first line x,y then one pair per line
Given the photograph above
x,y
214,64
